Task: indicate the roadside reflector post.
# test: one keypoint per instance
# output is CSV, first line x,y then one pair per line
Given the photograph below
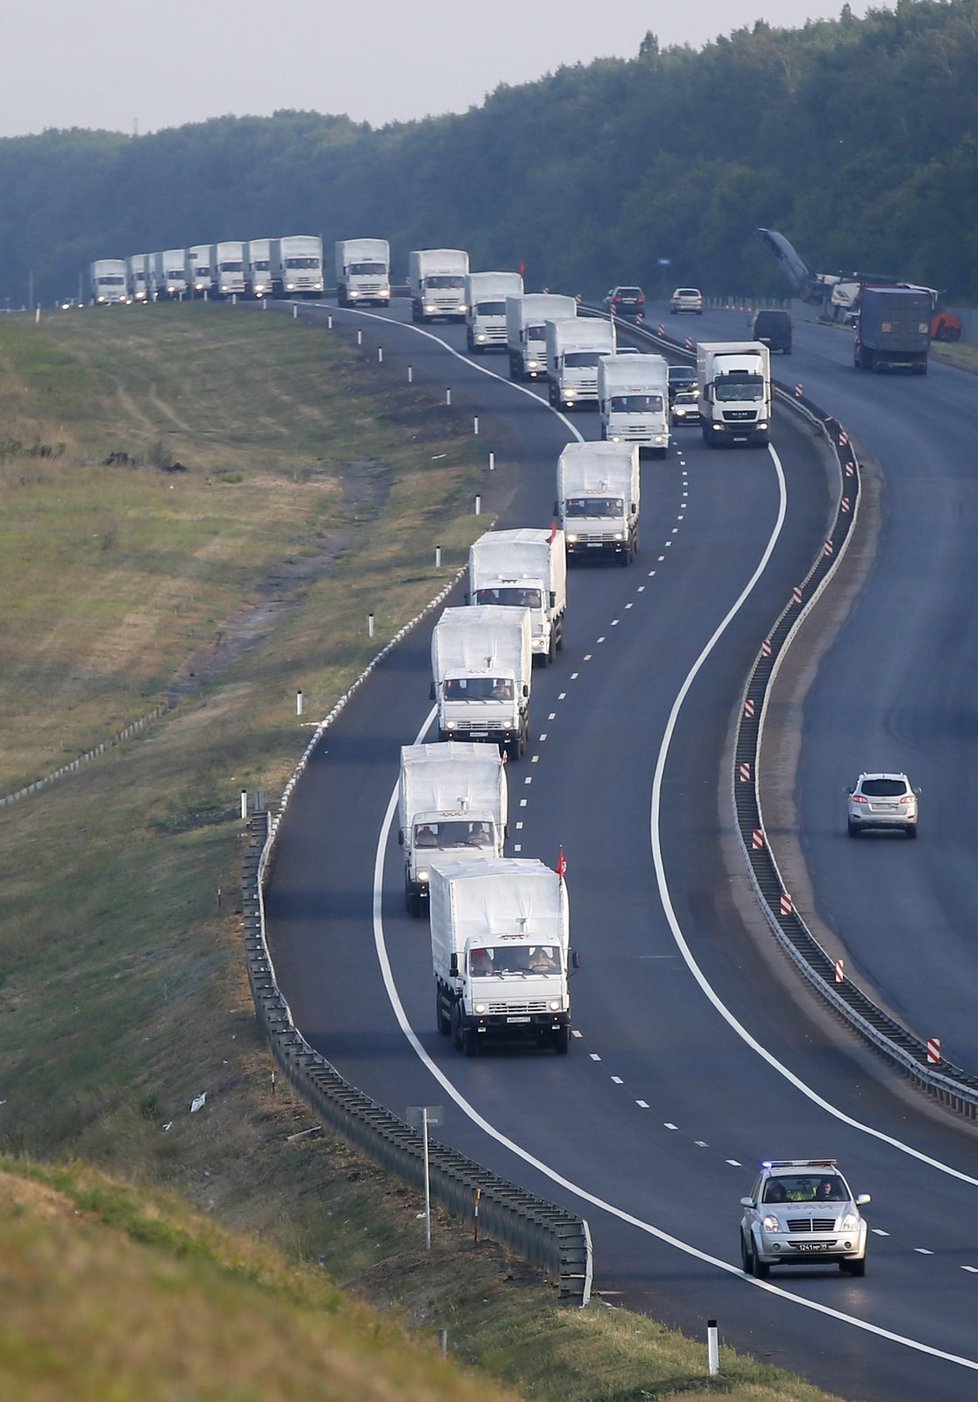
x,y
295,310
370,625
475,425
840,971
380,355
933,1050
298,703
244,803
712,1347
448,395
437,557
492,462
410,374
329,322
359,338
478,506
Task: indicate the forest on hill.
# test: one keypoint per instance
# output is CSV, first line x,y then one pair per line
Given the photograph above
x,y
857,138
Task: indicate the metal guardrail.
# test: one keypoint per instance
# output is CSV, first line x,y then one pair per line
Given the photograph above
x,y
951,1085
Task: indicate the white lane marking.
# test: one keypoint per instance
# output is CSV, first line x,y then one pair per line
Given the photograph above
x,y
517,847
878,1231
533,760
701,1143
669,1126
543,737
552,715
617,1080
922,1251
734,1163
972,1270
519,825
522,802
642,1104
578,1190
666,898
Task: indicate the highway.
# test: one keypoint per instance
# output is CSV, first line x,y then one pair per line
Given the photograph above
x,y
696,1054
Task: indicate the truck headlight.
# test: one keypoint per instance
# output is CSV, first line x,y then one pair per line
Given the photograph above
x,y
423,875
573,538
451,725
619,535
353,294
554,1005
479,1008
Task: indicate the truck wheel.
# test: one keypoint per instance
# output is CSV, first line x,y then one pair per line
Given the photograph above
x,y
562,1039
553,396
552,647
560,636
414,903
443,1023
470,1042
455,1026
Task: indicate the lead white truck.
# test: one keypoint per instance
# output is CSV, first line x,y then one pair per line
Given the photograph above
x,y
485,315
481,667
436,283
598,500
526,569
500,949
574,347
735,392
363,272
226,262
297,266
107,281
452,801
526,337
633,401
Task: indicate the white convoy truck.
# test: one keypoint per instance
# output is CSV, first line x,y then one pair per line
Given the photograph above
x,y
137,277
485,301
363,272
527,569
633,401
735,391
226,263
436,282
168,274
297,266
526,338
500,948
107,281
198,268
598,499
574,347
452,802
481,667
258,268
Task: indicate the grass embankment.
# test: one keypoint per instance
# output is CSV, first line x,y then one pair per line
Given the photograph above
x,y
204,506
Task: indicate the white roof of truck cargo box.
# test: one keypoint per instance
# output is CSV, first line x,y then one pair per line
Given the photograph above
x,y
598,467
510,895
580,333
482,638
452,777
636,373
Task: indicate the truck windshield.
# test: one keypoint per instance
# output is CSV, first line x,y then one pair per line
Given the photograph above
x,y
232,267
479,689
636,403
445,280
453,832
510,594
583,359
260,265
307,262
536,333
111,281
368,268
604,507
491,308
730,387
527,960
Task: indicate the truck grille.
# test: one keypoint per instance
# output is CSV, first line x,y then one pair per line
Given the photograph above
x,y
739,416
536,1005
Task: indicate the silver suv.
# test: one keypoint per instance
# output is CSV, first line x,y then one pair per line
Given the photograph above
x,y
882,801
802,1211
686,299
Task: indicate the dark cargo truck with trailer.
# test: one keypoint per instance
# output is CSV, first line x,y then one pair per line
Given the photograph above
x,y
893,329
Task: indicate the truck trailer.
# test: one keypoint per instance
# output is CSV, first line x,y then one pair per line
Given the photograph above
x,y
452,802
893,329
363,272
598,500
526,569
481,667
500,950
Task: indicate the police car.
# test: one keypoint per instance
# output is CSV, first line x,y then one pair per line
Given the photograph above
x,y
802,1212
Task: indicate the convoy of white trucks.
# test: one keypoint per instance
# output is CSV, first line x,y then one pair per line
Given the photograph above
x,y
598,500
452,802
574,347
734,380
481,667
363,272
526,337
500,950
436,283
297,266
633,401
524,568
485,302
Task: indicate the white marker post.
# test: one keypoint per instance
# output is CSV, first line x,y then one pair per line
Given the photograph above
x,y
712,1347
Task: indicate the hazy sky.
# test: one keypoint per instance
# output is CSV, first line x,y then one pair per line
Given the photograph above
x,y
126,65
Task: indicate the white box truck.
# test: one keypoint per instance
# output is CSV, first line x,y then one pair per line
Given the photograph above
x,y
436,283
452,802
258,268
598,500
485,316
168,274
633,401
574,347
526,338
500,949
481,667
198,269
363,272
107,281
226,263
735,392
524,568
137,277
297,266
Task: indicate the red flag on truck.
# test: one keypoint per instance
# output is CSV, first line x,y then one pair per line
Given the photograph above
x,y
561,867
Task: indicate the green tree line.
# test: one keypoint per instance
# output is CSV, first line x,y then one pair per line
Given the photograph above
x,y
857,138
